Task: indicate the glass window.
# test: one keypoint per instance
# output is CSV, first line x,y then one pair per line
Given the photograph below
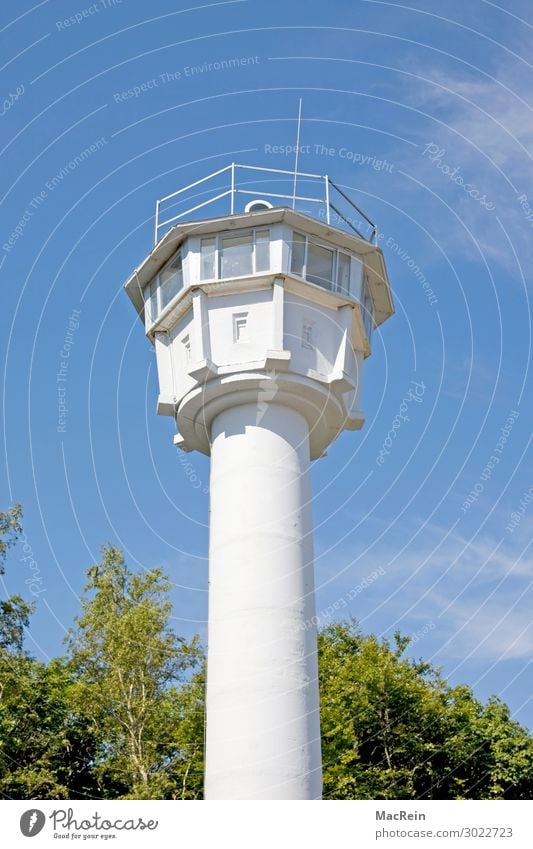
x,y
240,327
319,267
298,254
307,334
343,273
208,252
368,309
171,280
262,250
236,256
151,297
356,277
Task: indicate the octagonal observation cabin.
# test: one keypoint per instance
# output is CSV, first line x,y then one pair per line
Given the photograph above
x,y
207,291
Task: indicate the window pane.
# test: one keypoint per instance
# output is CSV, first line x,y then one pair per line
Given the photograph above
x,y
153,300
237,256
207,259
343,273
298,254
171,281
368,310
319,265
262,250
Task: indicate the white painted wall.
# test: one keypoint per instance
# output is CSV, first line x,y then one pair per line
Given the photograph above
x,y
327,334
263,732
182,382
258,307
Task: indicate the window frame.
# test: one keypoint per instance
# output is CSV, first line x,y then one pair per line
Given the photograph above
x,y
308,334
149,293
240,326
219,238
367,315
337,252
364,298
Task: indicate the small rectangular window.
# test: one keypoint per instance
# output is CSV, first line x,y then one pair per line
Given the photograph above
x,y
307,335
298,254
319,267
171,280
343,273
240,327
208,252
262,250
236,256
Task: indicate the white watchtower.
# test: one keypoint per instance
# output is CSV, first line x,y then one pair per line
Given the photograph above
x,y
261,319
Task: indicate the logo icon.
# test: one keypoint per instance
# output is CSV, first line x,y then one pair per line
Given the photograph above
x,y
32,822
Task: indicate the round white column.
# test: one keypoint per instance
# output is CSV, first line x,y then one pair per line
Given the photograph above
x,y
263,725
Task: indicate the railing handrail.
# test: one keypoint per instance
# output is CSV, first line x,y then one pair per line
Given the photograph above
x,y
234,189
353,204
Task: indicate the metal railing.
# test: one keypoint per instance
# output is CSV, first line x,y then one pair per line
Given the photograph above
x,y
233,185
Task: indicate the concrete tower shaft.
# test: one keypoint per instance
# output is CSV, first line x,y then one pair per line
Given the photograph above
x,y
263,728
261,324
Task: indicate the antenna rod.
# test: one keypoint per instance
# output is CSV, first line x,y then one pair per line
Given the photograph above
x,y
297,153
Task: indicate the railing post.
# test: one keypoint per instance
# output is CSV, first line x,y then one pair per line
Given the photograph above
x,y
156,226
326,178
232,205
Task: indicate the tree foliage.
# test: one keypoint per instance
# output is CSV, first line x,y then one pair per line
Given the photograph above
x,y
127,661
14,611
47,749
122,716
392,728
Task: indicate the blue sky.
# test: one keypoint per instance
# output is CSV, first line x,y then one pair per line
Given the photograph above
x,y
443,97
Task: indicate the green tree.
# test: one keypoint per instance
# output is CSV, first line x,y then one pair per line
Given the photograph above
x,y
392,728
47,749
127,661
14,611
123,715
